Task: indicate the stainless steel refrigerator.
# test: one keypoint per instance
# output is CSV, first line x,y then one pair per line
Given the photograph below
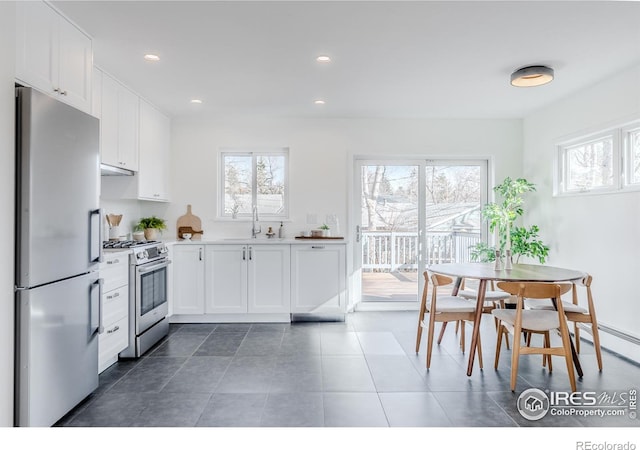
x,y
58,248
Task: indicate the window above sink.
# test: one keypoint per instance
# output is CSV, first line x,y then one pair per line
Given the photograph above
x,y
254,178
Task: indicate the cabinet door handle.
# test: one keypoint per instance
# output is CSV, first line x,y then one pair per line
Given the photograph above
x,y
244,253
317,246
113,261
357,233
200,254
113,330
114,295
250,253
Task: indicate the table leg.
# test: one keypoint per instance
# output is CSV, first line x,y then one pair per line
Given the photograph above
x,y
574,354
456,286
482,287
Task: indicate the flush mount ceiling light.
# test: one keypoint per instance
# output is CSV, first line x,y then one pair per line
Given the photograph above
x,y
323,59
196,101
532,76
319,102
151,57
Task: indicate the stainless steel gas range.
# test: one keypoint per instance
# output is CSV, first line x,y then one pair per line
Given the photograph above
x,y
148,306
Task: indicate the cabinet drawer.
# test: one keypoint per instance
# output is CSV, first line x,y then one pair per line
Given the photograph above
x,y
112,341
115,272
115,305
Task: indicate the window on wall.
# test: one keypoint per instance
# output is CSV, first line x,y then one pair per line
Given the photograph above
x,y
631,139
254,179
606,161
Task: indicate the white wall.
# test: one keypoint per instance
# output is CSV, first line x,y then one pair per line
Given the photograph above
x,y
321,162
320,155
7,102
598,234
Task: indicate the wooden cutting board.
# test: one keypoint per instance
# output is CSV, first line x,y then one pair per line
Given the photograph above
x,y
190,221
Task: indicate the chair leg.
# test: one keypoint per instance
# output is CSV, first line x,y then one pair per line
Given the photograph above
x,y
566,344
576,333
432,324
462,335
457,326
423,309
442,330
515,359
498,345
596,343
479,348
547,344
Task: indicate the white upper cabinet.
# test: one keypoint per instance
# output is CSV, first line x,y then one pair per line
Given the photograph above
x,y
155,136
118,125
53,55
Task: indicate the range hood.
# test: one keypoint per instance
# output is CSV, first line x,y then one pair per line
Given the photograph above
x,y
107,170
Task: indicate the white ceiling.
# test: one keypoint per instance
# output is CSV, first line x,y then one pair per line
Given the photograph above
x,y
416,59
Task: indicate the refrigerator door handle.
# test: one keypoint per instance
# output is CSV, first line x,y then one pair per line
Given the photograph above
x,y
96,306
95,236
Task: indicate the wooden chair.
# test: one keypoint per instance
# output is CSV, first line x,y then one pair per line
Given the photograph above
x,y
519,320
442,308
493,298
578,314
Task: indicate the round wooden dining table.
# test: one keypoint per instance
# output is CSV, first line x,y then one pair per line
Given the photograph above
x,y
484,272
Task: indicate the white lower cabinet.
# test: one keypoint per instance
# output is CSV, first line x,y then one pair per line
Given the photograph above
x,y
318,278
257,282
114,336
247,279
188,279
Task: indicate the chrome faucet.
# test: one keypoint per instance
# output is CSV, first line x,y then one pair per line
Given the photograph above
x,y
255,229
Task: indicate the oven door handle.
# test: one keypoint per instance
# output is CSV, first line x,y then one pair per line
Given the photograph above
x,y
154,267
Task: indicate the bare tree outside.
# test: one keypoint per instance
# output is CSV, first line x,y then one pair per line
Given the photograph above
x,y
591,165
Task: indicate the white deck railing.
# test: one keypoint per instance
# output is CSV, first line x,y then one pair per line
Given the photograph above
x,y
393,250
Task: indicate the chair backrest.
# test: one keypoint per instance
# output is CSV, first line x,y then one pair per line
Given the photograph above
x,y
437,280
586,283
533,290
440,280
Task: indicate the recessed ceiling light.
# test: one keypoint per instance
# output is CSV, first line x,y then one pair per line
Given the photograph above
x,y
319,102
196,100
151,57
532,76
323,59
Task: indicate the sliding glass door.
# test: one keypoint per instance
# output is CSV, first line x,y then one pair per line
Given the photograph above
x,y
411,213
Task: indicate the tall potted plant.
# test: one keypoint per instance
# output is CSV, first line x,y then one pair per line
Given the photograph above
x,y
521,241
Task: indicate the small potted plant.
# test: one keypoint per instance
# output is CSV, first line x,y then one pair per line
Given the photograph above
x,y
152,227
322,231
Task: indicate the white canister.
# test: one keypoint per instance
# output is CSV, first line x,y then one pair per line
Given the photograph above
x,y
114,233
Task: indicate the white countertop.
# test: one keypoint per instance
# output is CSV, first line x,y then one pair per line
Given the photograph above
x,y
261,241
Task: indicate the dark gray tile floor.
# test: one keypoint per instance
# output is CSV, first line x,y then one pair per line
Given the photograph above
x,y
363,372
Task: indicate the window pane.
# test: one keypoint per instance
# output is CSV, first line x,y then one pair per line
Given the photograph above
x,y
590,165
237,184
634,155
270,184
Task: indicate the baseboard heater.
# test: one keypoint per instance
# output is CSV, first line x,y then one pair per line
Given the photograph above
x,y
612,331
